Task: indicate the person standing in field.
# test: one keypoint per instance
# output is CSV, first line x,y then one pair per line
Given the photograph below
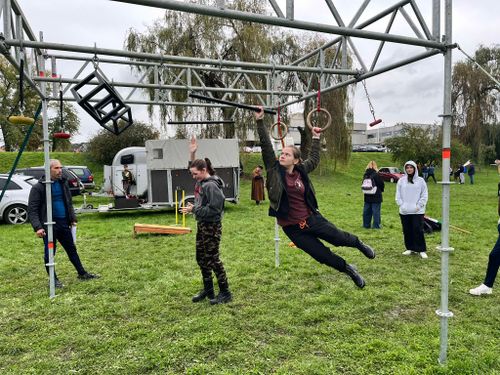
x,y
372,198
411,198
63,215
258,185
208,209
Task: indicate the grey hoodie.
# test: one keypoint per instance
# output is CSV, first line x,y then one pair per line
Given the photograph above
x,y
411,197
209,200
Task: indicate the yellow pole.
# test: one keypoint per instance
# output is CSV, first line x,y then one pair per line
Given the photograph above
x,y
176,209
183,214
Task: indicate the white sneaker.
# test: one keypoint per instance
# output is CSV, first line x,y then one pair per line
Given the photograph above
x,y
423,255
407,252
481,289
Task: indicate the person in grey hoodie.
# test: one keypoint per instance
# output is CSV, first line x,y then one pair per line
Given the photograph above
x,y
411,197
208,209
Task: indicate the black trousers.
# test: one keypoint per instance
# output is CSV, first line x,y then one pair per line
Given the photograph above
x,y
318,228
413,231
493,263
62,233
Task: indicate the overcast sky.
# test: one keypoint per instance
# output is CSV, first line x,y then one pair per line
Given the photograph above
x,y
413,93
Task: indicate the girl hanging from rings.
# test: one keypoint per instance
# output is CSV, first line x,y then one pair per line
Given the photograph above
x,y
293,203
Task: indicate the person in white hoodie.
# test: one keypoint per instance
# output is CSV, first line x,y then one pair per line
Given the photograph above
x,y
411,197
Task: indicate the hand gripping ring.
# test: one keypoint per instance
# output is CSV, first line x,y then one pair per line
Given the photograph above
x,y
284,132
328,123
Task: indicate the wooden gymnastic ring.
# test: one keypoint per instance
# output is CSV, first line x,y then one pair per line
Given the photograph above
x,y
283,135
328,123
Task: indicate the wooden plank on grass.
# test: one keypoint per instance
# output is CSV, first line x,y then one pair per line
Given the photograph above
x,y
159,229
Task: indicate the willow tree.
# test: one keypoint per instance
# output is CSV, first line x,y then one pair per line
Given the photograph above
x,y
337,137
200,36
475,97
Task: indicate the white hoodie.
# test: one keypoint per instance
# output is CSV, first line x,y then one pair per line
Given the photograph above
x,y
411,197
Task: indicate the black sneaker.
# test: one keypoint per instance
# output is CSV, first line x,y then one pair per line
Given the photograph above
x,y
222,297
367,250
88,276
354,275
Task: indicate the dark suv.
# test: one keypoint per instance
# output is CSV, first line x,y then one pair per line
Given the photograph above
x,y
84,174
75,185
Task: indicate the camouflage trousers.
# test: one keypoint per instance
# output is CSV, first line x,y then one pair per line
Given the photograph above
x,y
207,252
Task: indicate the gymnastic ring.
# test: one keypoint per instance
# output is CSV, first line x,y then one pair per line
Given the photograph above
x,y
283,135
328,123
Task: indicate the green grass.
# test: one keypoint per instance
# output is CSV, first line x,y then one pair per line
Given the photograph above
x,y
299,318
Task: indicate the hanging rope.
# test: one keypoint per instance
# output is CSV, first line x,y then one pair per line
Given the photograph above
x,y
319,110
20,120
372,110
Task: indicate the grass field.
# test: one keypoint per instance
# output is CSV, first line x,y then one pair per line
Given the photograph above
x,y
299,318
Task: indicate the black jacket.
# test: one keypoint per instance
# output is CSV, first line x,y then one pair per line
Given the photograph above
x,y
275,182
37,204
377,197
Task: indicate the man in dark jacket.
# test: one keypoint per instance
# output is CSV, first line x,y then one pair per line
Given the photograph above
x,y
63,215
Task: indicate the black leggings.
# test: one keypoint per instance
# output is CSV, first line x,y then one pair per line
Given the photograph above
x,y
316,228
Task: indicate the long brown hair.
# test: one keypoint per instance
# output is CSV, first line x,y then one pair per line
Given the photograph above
x,y
201,164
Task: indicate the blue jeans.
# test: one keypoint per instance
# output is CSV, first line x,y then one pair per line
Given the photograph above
x,y
493,263
371,210
471,176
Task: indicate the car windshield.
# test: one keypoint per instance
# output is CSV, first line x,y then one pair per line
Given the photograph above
x,y
78,171
395,170
32,181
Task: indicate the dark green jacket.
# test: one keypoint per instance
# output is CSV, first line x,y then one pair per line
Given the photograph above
x,y
275,181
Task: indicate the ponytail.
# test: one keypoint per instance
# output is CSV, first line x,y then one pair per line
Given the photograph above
x,y
210,169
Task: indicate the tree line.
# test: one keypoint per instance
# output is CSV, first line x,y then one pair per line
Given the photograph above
x,y
475,128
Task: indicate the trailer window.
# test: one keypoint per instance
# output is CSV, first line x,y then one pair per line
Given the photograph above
x,y
157,153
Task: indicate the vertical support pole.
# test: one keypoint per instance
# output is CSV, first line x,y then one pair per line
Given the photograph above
x,y
445,249
54,75
271,84
48,181
7,26
290,10
183,205
176,207
156,81
19,35
436,19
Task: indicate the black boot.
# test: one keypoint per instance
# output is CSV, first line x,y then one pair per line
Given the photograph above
x,y
206,292
366,250
354,275
224,295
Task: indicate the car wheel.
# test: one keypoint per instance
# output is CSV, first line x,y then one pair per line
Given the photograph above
x,y
16,214
392,179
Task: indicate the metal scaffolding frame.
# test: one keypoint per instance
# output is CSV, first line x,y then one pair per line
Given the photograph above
x,y
18,36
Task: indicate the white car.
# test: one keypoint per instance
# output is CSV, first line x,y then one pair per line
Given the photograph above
x,y
14,203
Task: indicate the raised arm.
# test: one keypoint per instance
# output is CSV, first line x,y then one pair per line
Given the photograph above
x,y
313,160
193,147
268,155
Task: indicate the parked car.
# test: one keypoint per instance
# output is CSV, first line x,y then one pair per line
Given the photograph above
x,y
84,174
14,203
75,185
391,174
